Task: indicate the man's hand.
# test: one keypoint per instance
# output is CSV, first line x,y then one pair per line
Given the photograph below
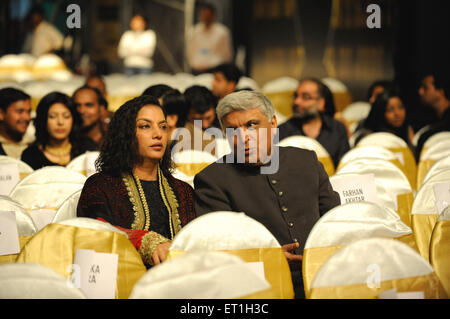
x,y
288,250
160,253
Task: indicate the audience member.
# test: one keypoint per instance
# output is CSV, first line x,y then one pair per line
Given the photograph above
x,y
176,107
89,103
226,78
310,120
44,38
157,91
435,93
134,189
376,88
137,46
208,43
15,116
96,81
288,201
202,106
57,126
388,114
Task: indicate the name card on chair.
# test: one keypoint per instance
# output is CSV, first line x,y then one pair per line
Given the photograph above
x,y
9,177
355,188
442,195
42,217
98,273
9,236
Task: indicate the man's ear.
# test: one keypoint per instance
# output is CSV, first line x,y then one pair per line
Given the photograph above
x,y
2,115
172,120
273,122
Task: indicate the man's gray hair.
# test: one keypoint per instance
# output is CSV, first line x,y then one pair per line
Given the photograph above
x,y
244,100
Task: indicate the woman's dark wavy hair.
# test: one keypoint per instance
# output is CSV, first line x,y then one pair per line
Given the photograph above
x,y
376,120
40,121
119,152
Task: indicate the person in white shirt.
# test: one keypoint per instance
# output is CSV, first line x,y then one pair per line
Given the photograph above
x,y
45,38
137,46
208,43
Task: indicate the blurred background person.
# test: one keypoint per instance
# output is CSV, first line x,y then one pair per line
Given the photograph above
x,y
388,114
58,139
209,42
89,103
15,116
176,108
96,81
137,46
226,78
44,37
157,90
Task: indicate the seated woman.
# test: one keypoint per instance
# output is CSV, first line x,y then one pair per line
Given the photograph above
x,y
134,189
388,114
57,141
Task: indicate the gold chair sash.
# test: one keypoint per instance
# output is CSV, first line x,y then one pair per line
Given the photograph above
x,y
54,246
410,167
6,259
328,165
422,226
440,253
429,284
422,170
276,270
282,101
314,258
404,206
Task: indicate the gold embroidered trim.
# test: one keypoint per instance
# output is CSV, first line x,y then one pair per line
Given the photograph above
x,y
136,203
149,242
171,202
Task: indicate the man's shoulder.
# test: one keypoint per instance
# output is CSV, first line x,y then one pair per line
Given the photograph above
x,y
334,124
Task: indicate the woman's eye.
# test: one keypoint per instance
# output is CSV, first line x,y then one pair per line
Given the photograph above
x,y
164,127
144,126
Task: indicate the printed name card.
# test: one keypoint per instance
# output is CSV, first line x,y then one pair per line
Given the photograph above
x,y
98,273
89,163
42,217
442,195
355,188
393,294
9,177
9,236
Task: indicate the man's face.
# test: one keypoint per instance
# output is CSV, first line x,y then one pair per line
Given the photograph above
x,y
221,86
87,105
207,118
206,16
252,136
307,101
427,91
17,116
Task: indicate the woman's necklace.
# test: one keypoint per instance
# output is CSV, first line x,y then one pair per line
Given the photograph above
x,y
62,153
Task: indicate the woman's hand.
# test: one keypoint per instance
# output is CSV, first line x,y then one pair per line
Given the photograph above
x,y
160,253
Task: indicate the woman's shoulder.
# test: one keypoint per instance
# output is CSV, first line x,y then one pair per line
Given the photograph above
x,y
104,180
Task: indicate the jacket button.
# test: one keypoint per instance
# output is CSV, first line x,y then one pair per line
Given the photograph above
x,y
274,181
280,193
291,224
284,209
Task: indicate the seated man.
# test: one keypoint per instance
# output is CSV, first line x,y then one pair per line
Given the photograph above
x,y
309,120
284,188
89,102
226,78
96,81
435,93
15,116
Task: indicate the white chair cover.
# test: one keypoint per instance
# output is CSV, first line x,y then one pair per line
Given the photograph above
x,y
418,134
281,84
34,281
24,168
183,177
383,139
441,165
352,265
47,187
306,143
68,209
222,147
437,151
25,224
436,138
202,275
84,163
356,111
369,151
223,231
191,162
445,215
347,223
246,82
90,223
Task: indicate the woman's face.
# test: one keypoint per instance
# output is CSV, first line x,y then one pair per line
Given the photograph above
x,y
59,122
395,112
151,132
